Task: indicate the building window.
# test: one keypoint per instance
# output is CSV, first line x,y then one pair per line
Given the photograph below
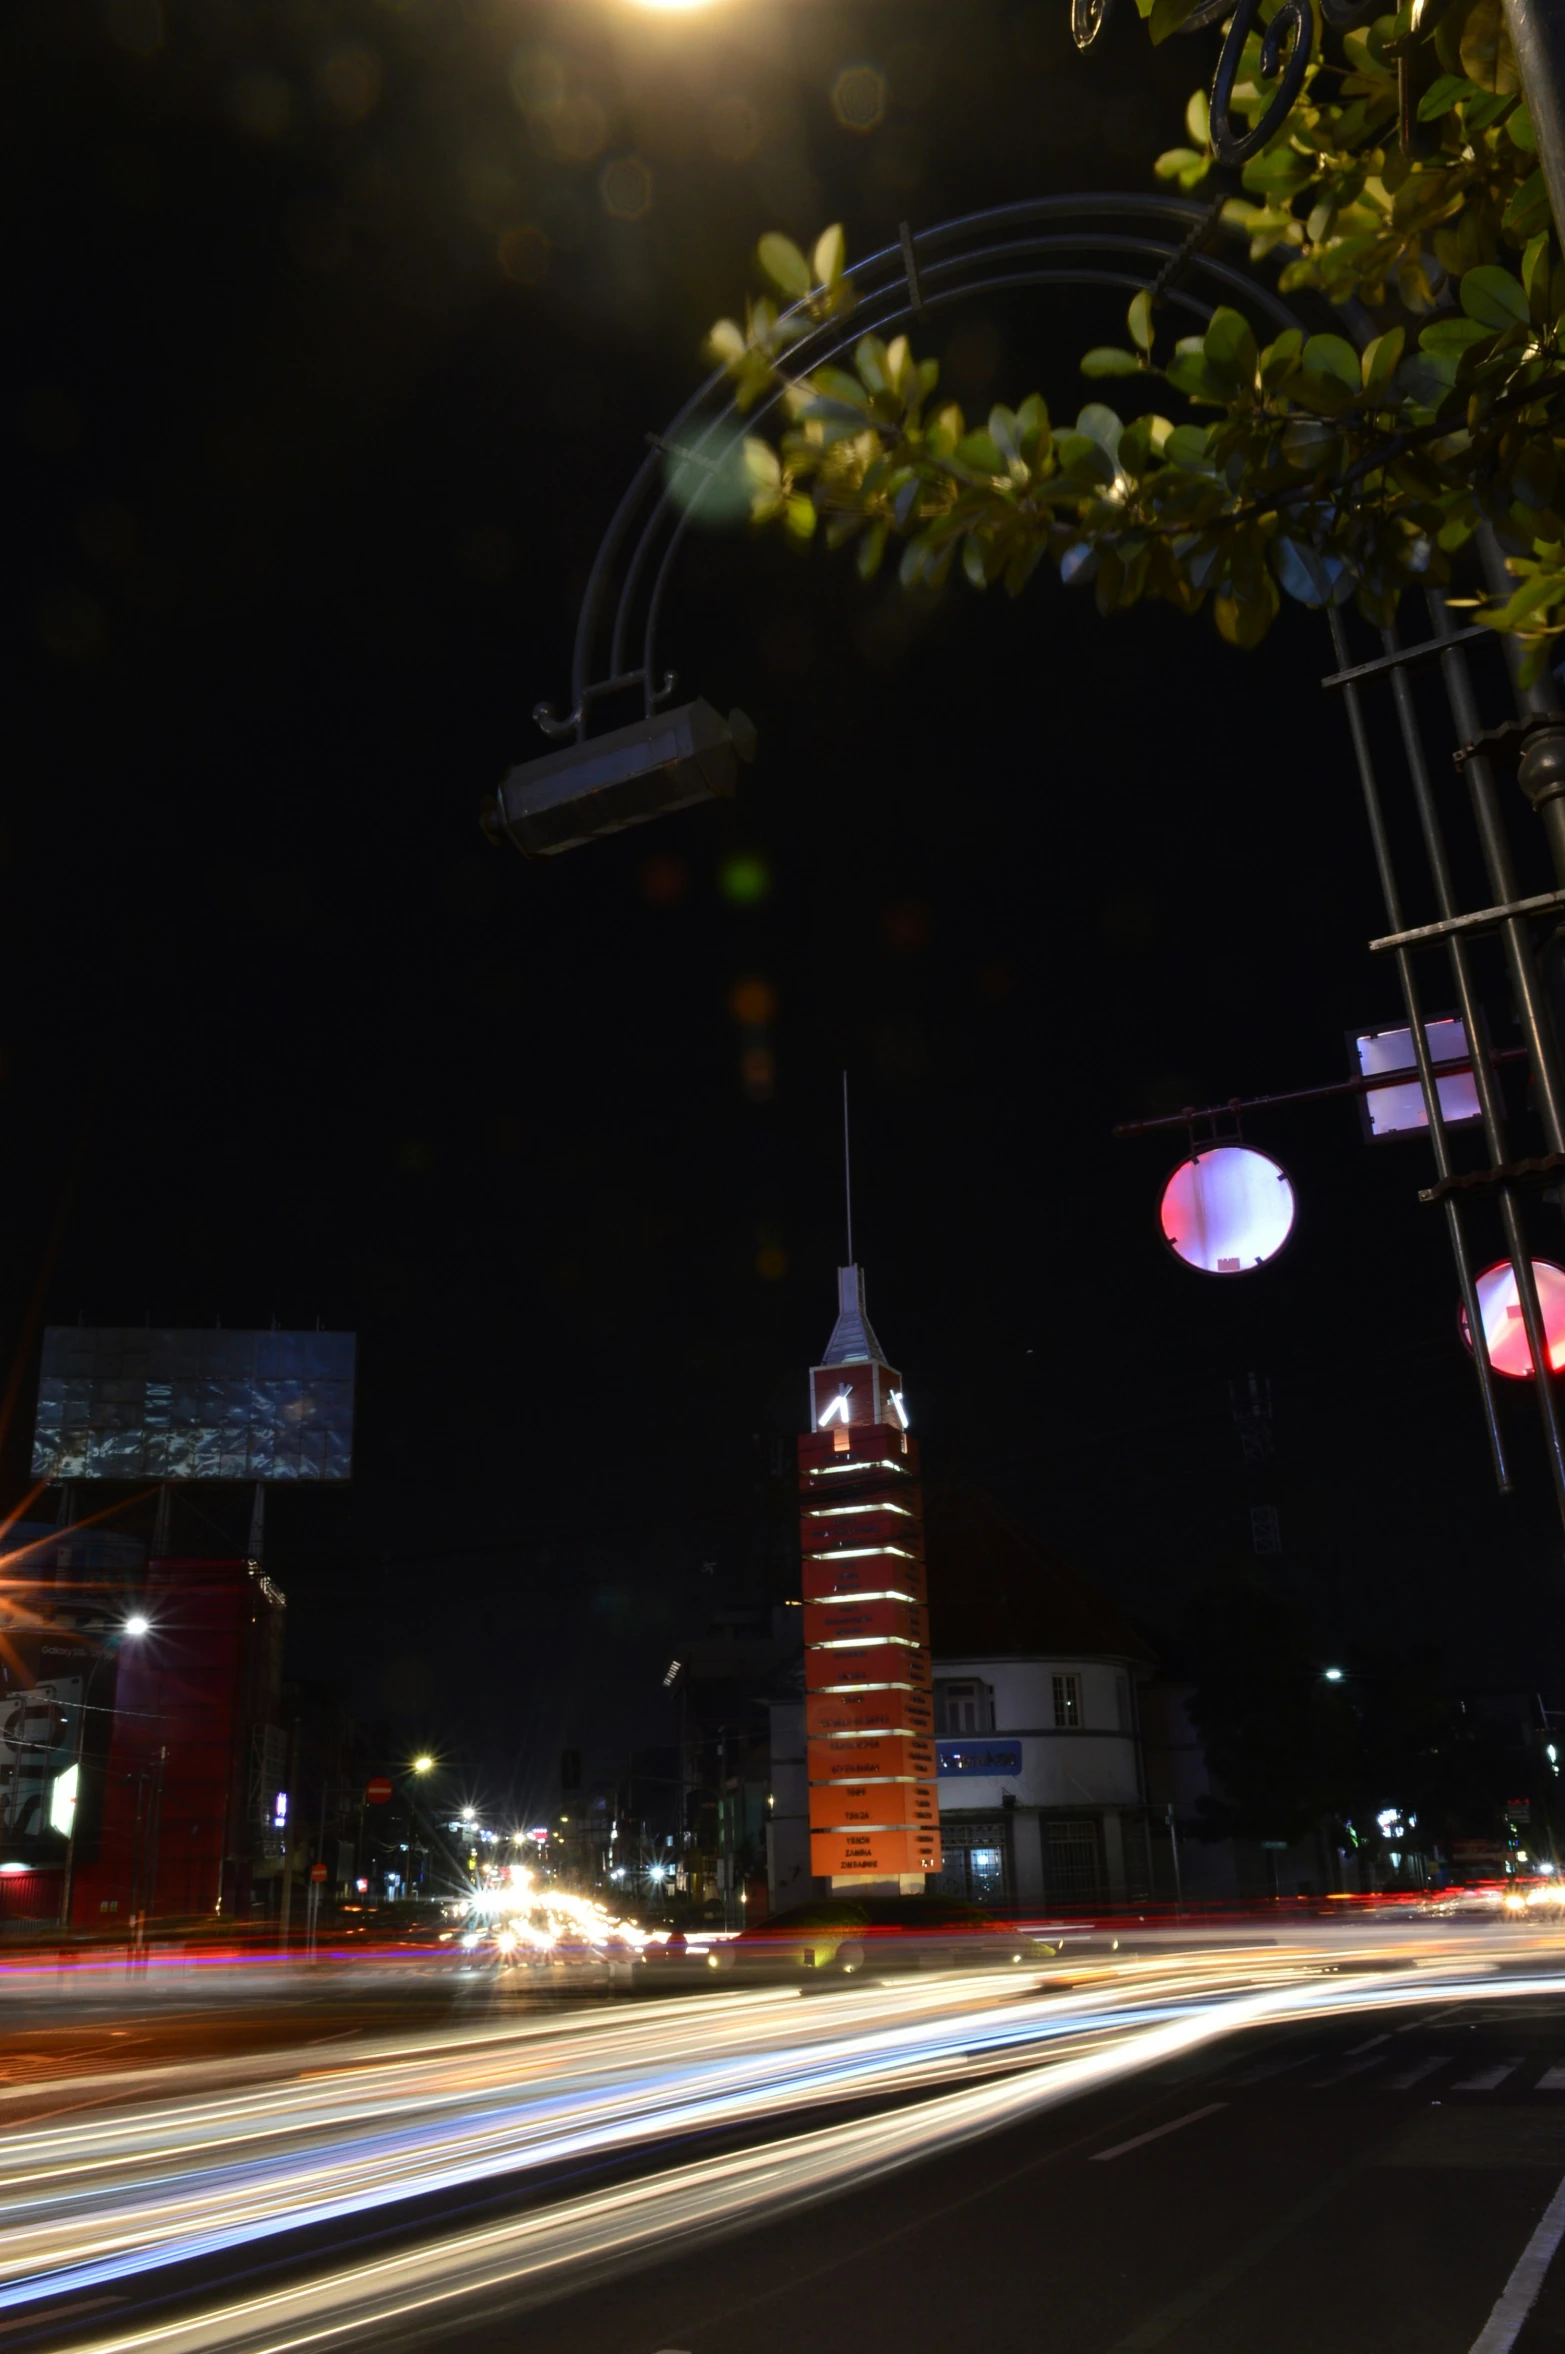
x,y
1067,1700
964,1707
1071,1869
977,1866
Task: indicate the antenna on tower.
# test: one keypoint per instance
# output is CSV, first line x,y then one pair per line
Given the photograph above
x,y
847,1167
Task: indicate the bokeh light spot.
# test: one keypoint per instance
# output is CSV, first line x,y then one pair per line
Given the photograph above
x,y
626,188
663,881
905,927
745,879
349,82
523,254
753,1002
858,98
758,1073
261,102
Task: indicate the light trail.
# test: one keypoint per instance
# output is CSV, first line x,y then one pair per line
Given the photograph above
x,y
144,2189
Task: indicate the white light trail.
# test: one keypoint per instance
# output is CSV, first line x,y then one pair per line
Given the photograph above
x,y
106,2199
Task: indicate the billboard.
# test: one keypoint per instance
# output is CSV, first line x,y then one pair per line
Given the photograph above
x,y
128,1402
44,1684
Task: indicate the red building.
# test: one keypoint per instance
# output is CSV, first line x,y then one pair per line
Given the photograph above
x,y
141,1761
869,1704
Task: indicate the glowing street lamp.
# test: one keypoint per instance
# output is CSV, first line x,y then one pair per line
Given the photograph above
x,y
137,1625
423,1765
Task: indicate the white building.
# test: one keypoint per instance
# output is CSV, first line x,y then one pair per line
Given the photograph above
x,y
1042,1798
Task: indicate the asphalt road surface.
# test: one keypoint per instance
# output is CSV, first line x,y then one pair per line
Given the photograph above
x,y
1332,2145
1293,2192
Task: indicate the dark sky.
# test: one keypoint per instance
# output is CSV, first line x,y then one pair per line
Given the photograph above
x,y
330,358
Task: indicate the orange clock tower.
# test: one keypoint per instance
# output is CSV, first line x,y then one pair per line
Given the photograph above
x,y
869,1699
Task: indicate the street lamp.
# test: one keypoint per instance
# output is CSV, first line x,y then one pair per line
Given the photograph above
x,y
132,1627
423,1765
1333,1675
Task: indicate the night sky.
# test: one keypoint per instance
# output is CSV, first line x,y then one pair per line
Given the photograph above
x,y
331,349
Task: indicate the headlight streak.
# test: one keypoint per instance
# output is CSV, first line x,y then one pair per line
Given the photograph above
x,y
107,2198
535,2249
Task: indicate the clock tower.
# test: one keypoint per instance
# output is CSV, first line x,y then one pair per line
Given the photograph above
x,y
869,1698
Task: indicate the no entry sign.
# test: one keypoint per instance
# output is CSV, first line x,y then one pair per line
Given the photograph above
x,y
317,1871
378,1790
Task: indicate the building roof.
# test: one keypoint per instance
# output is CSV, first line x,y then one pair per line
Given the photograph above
x,y
995,1592
852,1339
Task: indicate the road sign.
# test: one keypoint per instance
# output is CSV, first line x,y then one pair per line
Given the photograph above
x,y
317,1871
1499,1304
377,1790
1227,1209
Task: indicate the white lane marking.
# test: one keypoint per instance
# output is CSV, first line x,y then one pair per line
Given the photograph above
x,y
1347,2068
1265,2068
1099,2157
1370,2046
1552,2080
1520,2293
1415,2075
1485,2079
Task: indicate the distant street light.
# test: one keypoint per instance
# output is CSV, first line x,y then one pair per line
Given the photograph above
x,y
423,1765
1334,1675
137,1625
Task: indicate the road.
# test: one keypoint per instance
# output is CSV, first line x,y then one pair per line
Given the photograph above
x,y
1339,2142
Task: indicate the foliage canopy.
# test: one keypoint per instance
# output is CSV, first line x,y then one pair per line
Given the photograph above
x,y
1403,187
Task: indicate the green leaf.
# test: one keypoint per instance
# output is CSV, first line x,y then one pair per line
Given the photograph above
x,y
1535,277
1229,350
830,256
1484,46
1446,336
1442,95
1105,360
1378,360
1198,120
1139,319
977,450
1333,357
1102,425
784,264
1186,446
1167,17
1493,297
1528,210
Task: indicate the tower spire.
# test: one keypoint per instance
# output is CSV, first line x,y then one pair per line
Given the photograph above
x,y
847,1167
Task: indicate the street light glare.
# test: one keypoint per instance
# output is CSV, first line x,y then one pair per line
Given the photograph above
x,y
423,1765
137,1625
1334,1675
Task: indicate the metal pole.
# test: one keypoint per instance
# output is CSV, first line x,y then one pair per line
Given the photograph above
x,y
1497,858
1392,897
1531,1004
286,1908
1537,30
1173,1848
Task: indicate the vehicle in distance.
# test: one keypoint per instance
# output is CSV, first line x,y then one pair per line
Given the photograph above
x,y
847,1934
